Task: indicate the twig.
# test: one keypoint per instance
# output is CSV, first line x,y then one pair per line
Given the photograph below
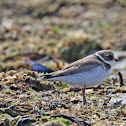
x,y
73,119
114,80
121,79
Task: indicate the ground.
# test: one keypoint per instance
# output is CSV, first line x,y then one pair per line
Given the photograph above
x,y
55,33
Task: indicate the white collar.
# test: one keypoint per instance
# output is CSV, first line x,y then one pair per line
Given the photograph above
x,y
99,56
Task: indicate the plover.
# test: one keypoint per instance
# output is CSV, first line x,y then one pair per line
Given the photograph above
x,y
86,72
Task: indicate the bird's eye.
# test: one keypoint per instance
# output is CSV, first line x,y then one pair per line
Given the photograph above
x,y
110,57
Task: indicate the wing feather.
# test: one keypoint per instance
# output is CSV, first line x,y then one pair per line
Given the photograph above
x,y
82,65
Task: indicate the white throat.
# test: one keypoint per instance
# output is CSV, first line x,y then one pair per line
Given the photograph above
x,y
107,62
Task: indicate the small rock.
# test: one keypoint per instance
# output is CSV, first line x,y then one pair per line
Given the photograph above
x,y
101,92
65,90
89,91
75,89
55,111
75,100
14,87
121,98
124,114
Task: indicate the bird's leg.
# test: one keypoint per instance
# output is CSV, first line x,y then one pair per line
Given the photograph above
x,y
83,93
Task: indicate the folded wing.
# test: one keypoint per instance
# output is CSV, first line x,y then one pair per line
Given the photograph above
x,y
78,66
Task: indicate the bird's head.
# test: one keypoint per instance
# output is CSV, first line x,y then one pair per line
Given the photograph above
x,y
107,56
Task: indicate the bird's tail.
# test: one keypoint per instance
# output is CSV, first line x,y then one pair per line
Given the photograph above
x,y
47,76
51,75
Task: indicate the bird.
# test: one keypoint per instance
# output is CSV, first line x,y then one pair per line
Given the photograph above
x,y
86,72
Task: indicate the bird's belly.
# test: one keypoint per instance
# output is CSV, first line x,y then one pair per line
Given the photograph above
x,y
90,78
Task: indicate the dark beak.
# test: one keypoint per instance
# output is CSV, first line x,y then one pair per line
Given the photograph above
x,y
116,59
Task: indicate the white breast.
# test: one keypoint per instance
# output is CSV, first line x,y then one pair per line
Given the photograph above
x,y
89,78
